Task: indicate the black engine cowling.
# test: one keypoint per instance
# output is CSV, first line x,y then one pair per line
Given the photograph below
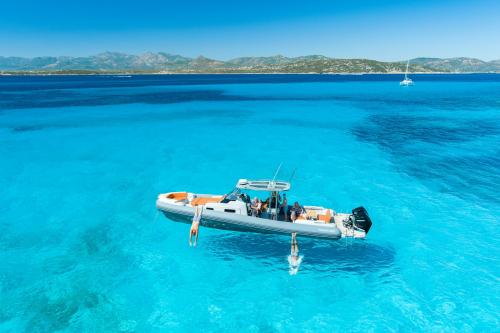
x,y
361,219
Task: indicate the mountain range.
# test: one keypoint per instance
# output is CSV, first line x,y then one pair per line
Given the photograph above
x,y
170,63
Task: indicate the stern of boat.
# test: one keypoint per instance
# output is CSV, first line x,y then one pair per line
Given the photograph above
x,y
355,225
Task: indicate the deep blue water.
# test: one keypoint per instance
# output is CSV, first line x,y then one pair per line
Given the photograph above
x,y
82,159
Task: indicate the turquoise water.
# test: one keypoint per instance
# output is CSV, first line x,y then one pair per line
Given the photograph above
x,y
82,247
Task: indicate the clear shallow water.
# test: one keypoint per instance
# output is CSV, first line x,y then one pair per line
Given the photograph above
x,y
83,158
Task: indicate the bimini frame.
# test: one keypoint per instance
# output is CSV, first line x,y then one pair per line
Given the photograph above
x,y
272,186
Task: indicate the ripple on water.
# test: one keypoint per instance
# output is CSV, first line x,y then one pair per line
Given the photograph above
x,y
416,144
321,256
79,251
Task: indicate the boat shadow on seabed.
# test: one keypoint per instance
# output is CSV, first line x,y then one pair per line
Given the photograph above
x,y
349,256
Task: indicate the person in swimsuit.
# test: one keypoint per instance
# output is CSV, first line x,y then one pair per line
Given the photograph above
x,y
256,207
294,259
264,205
195,225
296,210
294,252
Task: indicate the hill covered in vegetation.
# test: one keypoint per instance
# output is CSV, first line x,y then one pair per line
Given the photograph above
x,y
113,62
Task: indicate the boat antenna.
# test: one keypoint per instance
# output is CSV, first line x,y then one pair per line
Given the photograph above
x,y
293,174
274,215
277,171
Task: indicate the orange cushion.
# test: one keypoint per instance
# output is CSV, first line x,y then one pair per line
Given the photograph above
x,y
326,218
205,200
177,195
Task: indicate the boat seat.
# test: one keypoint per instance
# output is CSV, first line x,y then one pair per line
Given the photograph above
x,y
302,216
177,196
311,214
325,218
205,200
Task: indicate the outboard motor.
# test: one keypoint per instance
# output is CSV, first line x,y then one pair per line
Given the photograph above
x,y
361,219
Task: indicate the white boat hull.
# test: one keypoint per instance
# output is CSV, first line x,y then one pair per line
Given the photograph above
x,y
245,223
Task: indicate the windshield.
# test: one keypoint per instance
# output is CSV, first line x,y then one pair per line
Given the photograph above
x,y
232,196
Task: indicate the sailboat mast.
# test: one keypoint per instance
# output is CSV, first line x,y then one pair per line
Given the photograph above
x,y
406,73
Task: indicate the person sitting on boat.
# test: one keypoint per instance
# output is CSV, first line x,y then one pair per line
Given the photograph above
x,y
195,225
244,197
265,205
296,211
256,207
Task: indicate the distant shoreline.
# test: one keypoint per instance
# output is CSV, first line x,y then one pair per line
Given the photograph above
x,y
165,63
231,73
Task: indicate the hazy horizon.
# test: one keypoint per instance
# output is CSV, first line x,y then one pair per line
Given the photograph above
x,y
383,31
242,56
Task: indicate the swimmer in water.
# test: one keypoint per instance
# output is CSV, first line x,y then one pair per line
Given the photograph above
x,y
294,252
294,259
195,225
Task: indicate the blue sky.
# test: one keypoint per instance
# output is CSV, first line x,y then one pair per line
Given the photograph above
x,y
382,30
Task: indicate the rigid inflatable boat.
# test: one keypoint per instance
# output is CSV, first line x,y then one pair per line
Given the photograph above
x,y
233,211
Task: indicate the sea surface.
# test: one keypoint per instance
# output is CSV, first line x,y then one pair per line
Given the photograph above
x,y
83,158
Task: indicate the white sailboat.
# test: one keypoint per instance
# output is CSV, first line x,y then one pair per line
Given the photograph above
x,y
407,81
